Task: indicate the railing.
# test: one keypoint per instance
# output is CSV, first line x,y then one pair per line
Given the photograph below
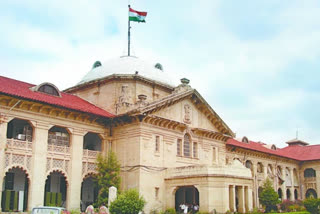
x,y
19,144
90,153
310,179
58,149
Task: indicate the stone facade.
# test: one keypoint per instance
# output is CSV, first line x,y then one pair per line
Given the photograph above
x,y
171,144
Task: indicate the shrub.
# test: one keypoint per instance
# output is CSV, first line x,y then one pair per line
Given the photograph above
x,y
311,205
128,202
285,205
170,211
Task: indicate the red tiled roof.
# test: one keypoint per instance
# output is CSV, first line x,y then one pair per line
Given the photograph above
x,y
301,153
21,89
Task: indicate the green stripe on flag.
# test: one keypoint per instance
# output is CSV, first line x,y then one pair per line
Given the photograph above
x,y
136,19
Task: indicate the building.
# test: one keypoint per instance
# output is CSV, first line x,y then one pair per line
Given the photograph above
x,y
172,146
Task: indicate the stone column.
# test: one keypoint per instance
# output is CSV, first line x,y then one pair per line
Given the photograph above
x,y
255,185
292,185
265,171
75,170
38,165
250,200
232,198
3,142
283,185
317,181
241,199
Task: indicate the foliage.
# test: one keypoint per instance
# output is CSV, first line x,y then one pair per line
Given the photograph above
x,y
311,205
128,202
169,211
269,197
108,175
74,211
256,211
304,212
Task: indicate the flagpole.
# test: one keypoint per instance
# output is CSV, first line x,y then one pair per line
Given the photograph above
x,y
129,31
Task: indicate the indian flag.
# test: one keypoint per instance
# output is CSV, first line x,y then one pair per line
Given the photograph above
x,y
137,16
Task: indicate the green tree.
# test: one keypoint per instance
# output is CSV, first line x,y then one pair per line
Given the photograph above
x,y
312,205
108,175
268,197
128,202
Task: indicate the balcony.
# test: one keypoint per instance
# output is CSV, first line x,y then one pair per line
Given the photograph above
x,y
310,179
18,152
89,161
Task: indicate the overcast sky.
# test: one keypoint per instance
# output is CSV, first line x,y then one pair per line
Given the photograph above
x,y
257,63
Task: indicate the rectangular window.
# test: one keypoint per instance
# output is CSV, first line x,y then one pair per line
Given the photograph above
x,y
195,150
214,154
157,144
179,142
156,192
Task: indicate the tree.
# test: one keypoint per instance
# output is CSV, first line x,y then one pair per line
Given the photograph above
x,y
127,203
268,197
312,205
108,175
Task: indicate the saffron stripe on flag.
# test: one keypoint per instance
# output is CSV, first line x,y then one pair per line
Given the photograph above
x,y
138,12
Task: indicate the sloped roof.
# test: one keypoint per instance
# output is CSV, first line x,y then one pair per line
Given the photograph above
x,y
22,90
297,152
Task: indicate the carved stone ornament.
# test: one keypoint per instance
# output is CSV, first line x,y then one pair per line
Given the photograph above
x,y
123,100
187,113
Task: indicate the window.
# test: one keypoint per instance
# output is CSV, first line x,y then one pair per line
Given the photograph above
x,y
157,144
186,146
195,150
214,154
179,142
48,89
156,192
309,173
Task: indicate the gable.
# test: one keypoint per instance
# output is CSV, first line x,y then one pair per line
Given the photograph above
x,y
186,112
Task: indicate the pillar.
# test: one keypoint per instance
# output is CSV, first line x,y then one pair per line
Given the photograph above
x,y
283,185
75,175
317,181
3,141
232,198
292,185
265,171
255,185
250,200
241,199
38,165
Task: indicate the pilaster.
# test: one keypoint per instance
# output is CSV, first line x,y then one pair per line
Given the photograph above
x,y
3,141
38,165
75,176
292,185
283,185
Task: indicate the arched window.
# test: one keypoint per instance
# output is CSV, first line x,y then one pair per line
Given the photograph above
x,y
186,146
249,164
260,168
48,89
308,173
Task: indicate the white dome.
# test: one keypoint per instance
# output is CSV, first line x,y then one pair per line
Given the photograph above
x,y
128,65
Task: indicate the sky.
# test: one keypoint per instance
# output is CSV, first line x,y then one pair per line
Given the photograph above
x,y
257,63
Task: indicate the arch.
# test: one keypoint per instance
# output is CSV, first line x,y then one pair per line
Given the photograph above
x,y
259,167
58,170
280,193
248,164
19,166
47,88
288,194
89,174
245,139
186,195
270,171
92,141
20,129
89,192
16,188
309,172
311,193
59,136
55,190
295,194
